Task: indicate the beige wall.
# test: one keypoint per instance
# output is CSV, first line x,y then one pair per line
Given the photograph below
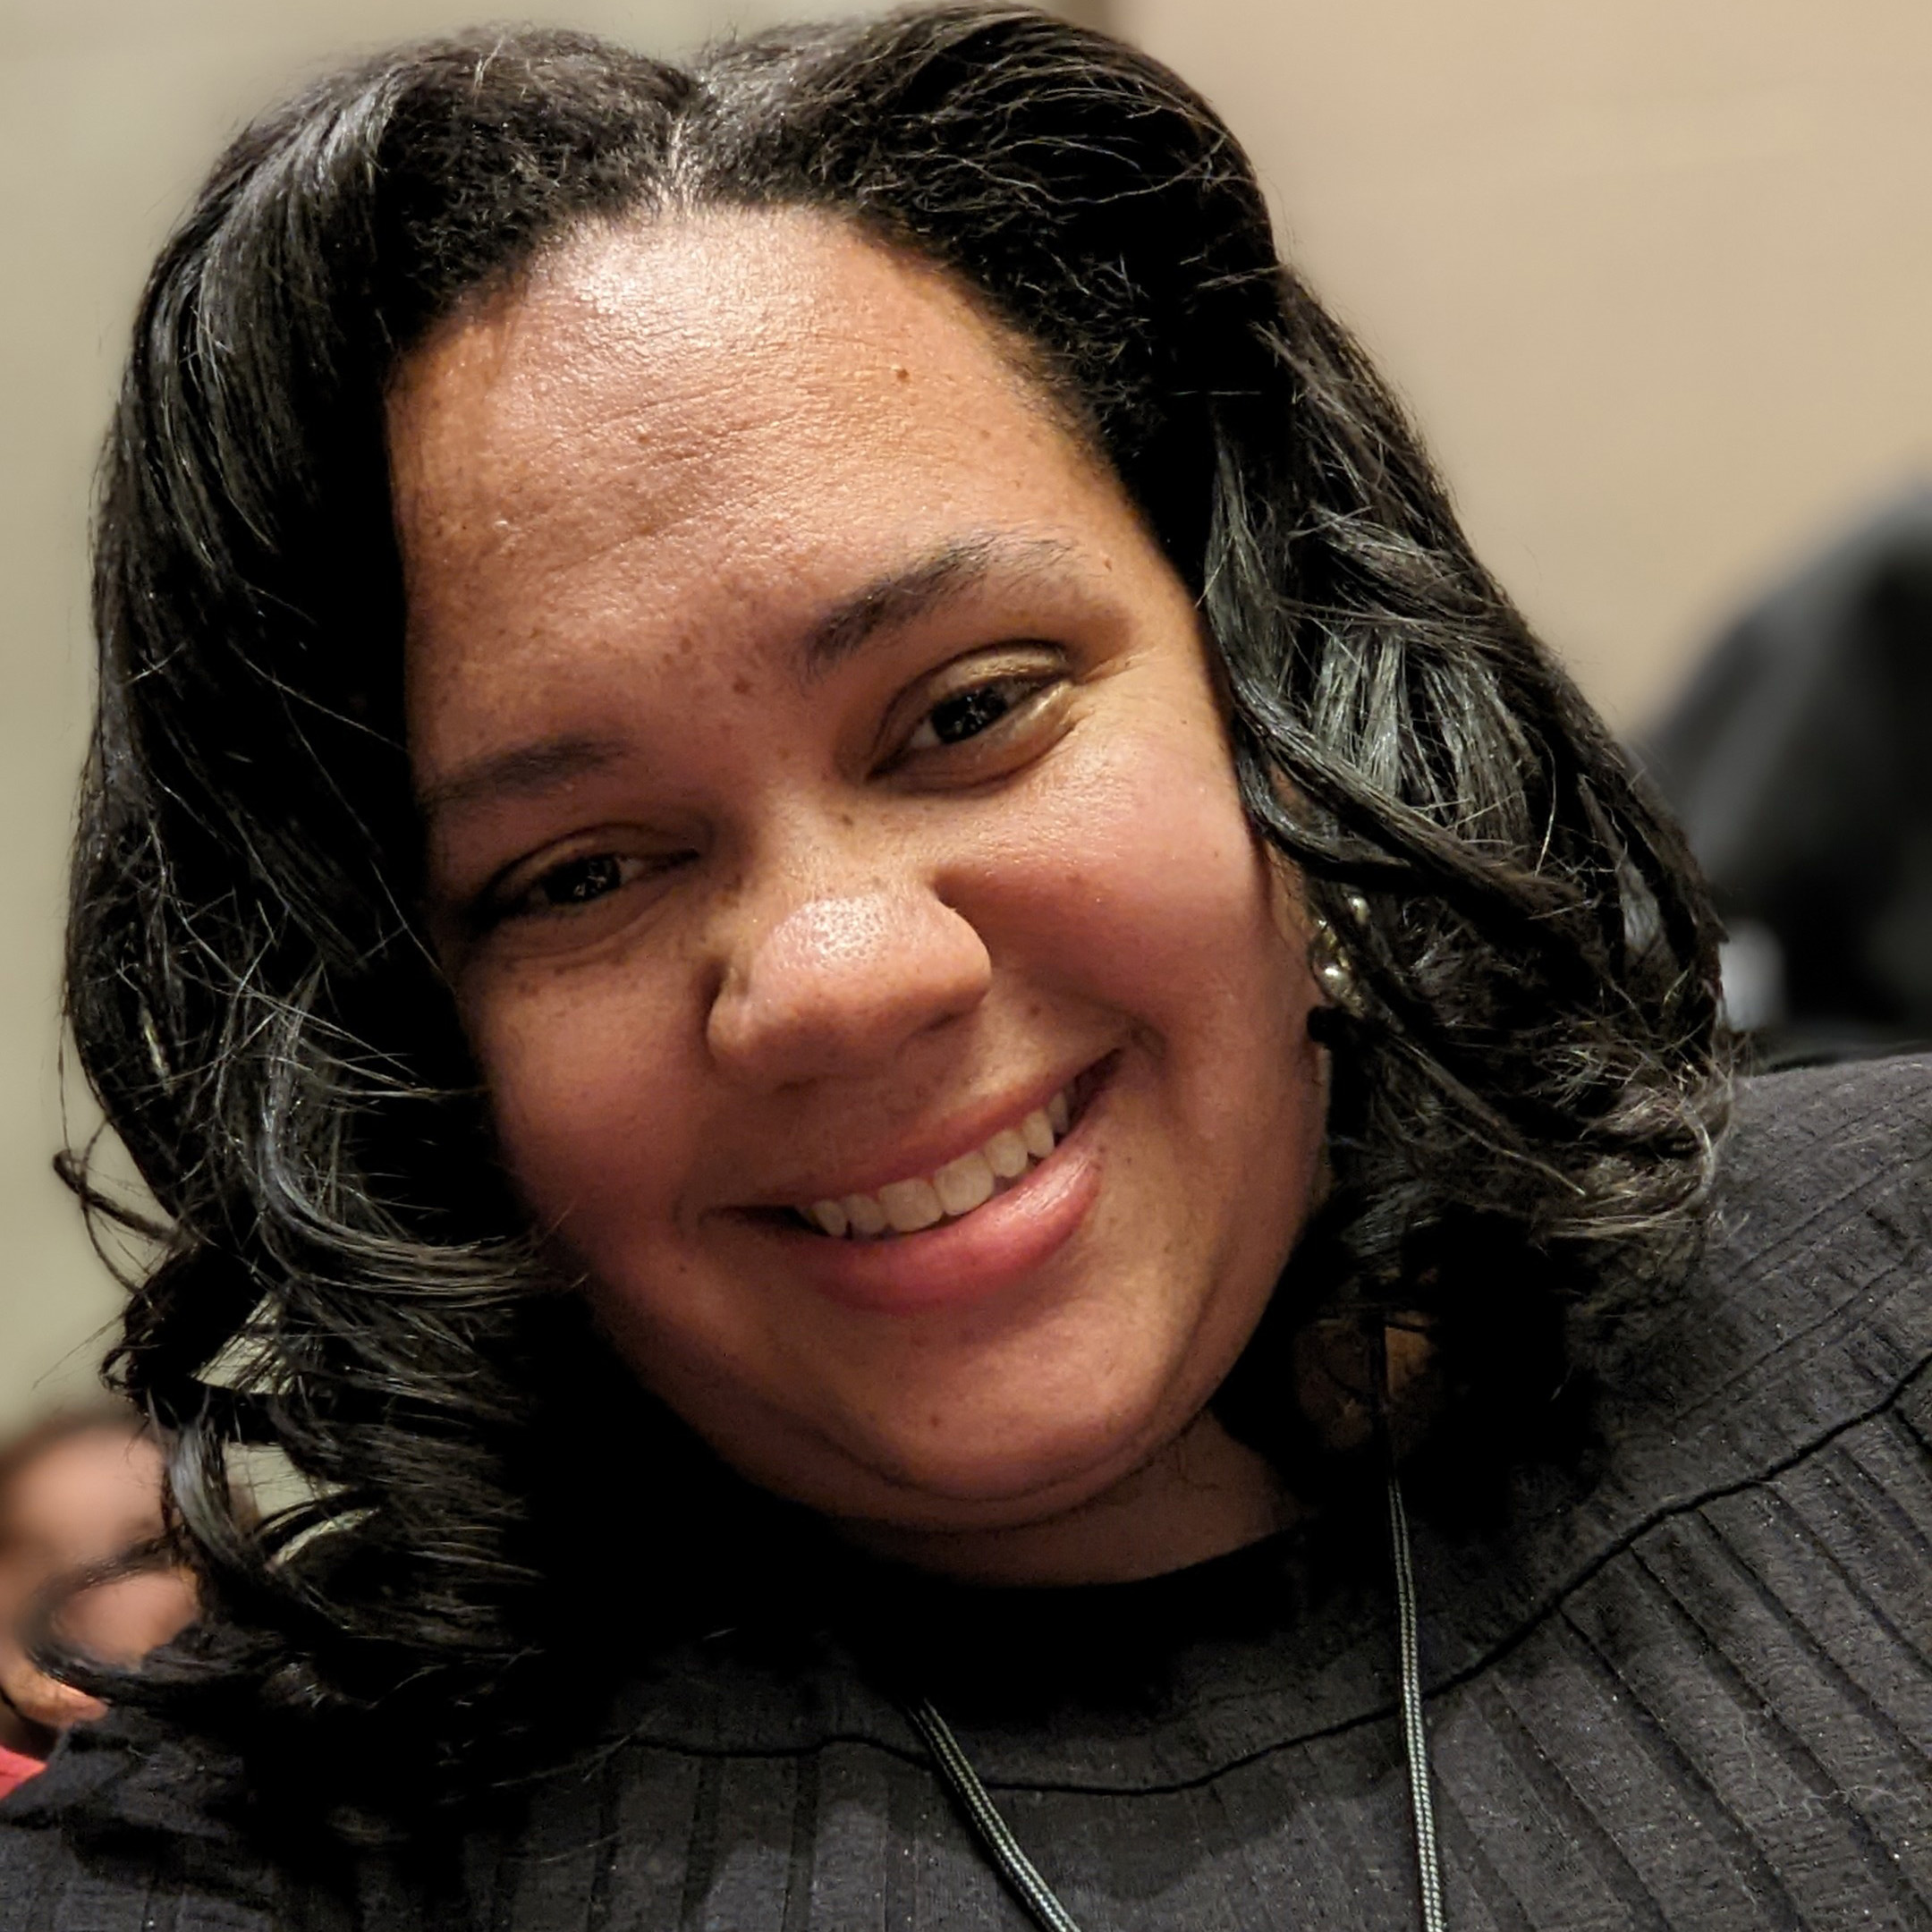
x,y
1656,274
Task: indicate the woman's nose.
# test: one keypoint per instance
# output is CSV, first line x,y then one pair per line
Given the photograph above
x,y
841,984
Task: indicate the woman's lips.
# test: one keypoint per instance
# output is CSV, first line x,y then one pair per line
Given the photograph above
x,y
957,1187
973,1258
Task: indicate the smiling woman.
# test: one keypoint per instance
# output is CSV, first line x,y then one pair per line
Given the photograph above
x,y
873,989
911,822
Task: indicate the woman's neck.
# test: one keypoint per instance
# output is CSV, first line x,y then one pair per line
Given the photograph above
x,y
1203,1497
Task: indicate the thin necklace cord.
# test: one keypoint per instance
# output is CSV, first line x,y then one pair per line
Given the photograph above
x,y
1415,1736
982,1815
1036,1896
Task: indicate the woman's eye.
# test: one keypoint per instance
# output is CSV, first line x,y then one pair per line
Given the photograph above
x,y
967,713
579,881
570,886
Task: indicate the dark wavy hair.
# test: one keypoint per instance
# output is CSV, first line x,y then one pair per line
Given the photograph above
x,y
1529,1068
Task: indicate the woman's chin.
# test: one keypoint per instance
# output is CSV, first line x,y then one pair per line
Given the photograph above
x,y
1007,1479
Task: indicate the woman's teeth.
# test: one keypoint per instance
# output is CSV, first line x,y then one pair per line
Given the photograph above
x,y
905,1207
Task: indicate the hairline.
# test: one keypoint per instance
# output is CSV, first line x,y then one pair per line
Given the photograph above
x,y
1043,382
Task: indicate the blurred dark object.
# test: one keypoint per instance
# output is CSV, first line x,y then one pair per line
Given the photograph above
x,y
1800,762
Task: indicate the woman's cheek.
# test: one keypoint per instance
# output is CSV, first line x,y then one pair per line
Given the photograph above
x,y
1140,868
579,1091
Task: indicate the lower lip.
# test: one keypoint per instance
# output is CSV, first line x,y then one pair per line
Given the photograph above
x,y
973,1260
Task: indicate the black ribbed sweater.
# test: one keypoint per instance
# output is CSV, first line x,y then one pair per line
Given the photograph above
x,y
1693,1688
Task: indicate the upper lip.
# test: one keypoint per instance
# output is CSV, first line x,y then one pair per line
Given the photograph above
x,y
916,1153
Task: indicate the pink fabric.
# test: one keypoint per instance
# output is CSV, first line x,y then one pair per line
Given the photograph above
x,y
15,1768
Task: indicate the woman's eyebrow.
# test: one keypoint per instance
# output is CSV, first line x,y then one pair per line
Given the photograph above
x,y
903,595
521,769
897,597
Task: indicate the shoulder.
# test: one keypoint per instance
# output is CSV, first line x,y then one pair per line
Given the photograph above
x,y
128,1818
1846,1142
1802,1333
1723,1618
1812,1301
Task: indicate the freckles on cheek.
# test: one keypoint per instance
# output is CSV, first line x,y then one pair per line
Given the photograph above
x,y
1163,867
570,1094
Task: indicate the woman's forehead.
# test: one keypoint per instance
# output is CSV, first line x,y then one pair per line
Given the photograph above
x,y
664,352
675,426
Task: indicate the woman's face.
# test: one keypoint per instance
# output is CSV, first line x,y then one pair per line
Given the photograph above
x,y
829,812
